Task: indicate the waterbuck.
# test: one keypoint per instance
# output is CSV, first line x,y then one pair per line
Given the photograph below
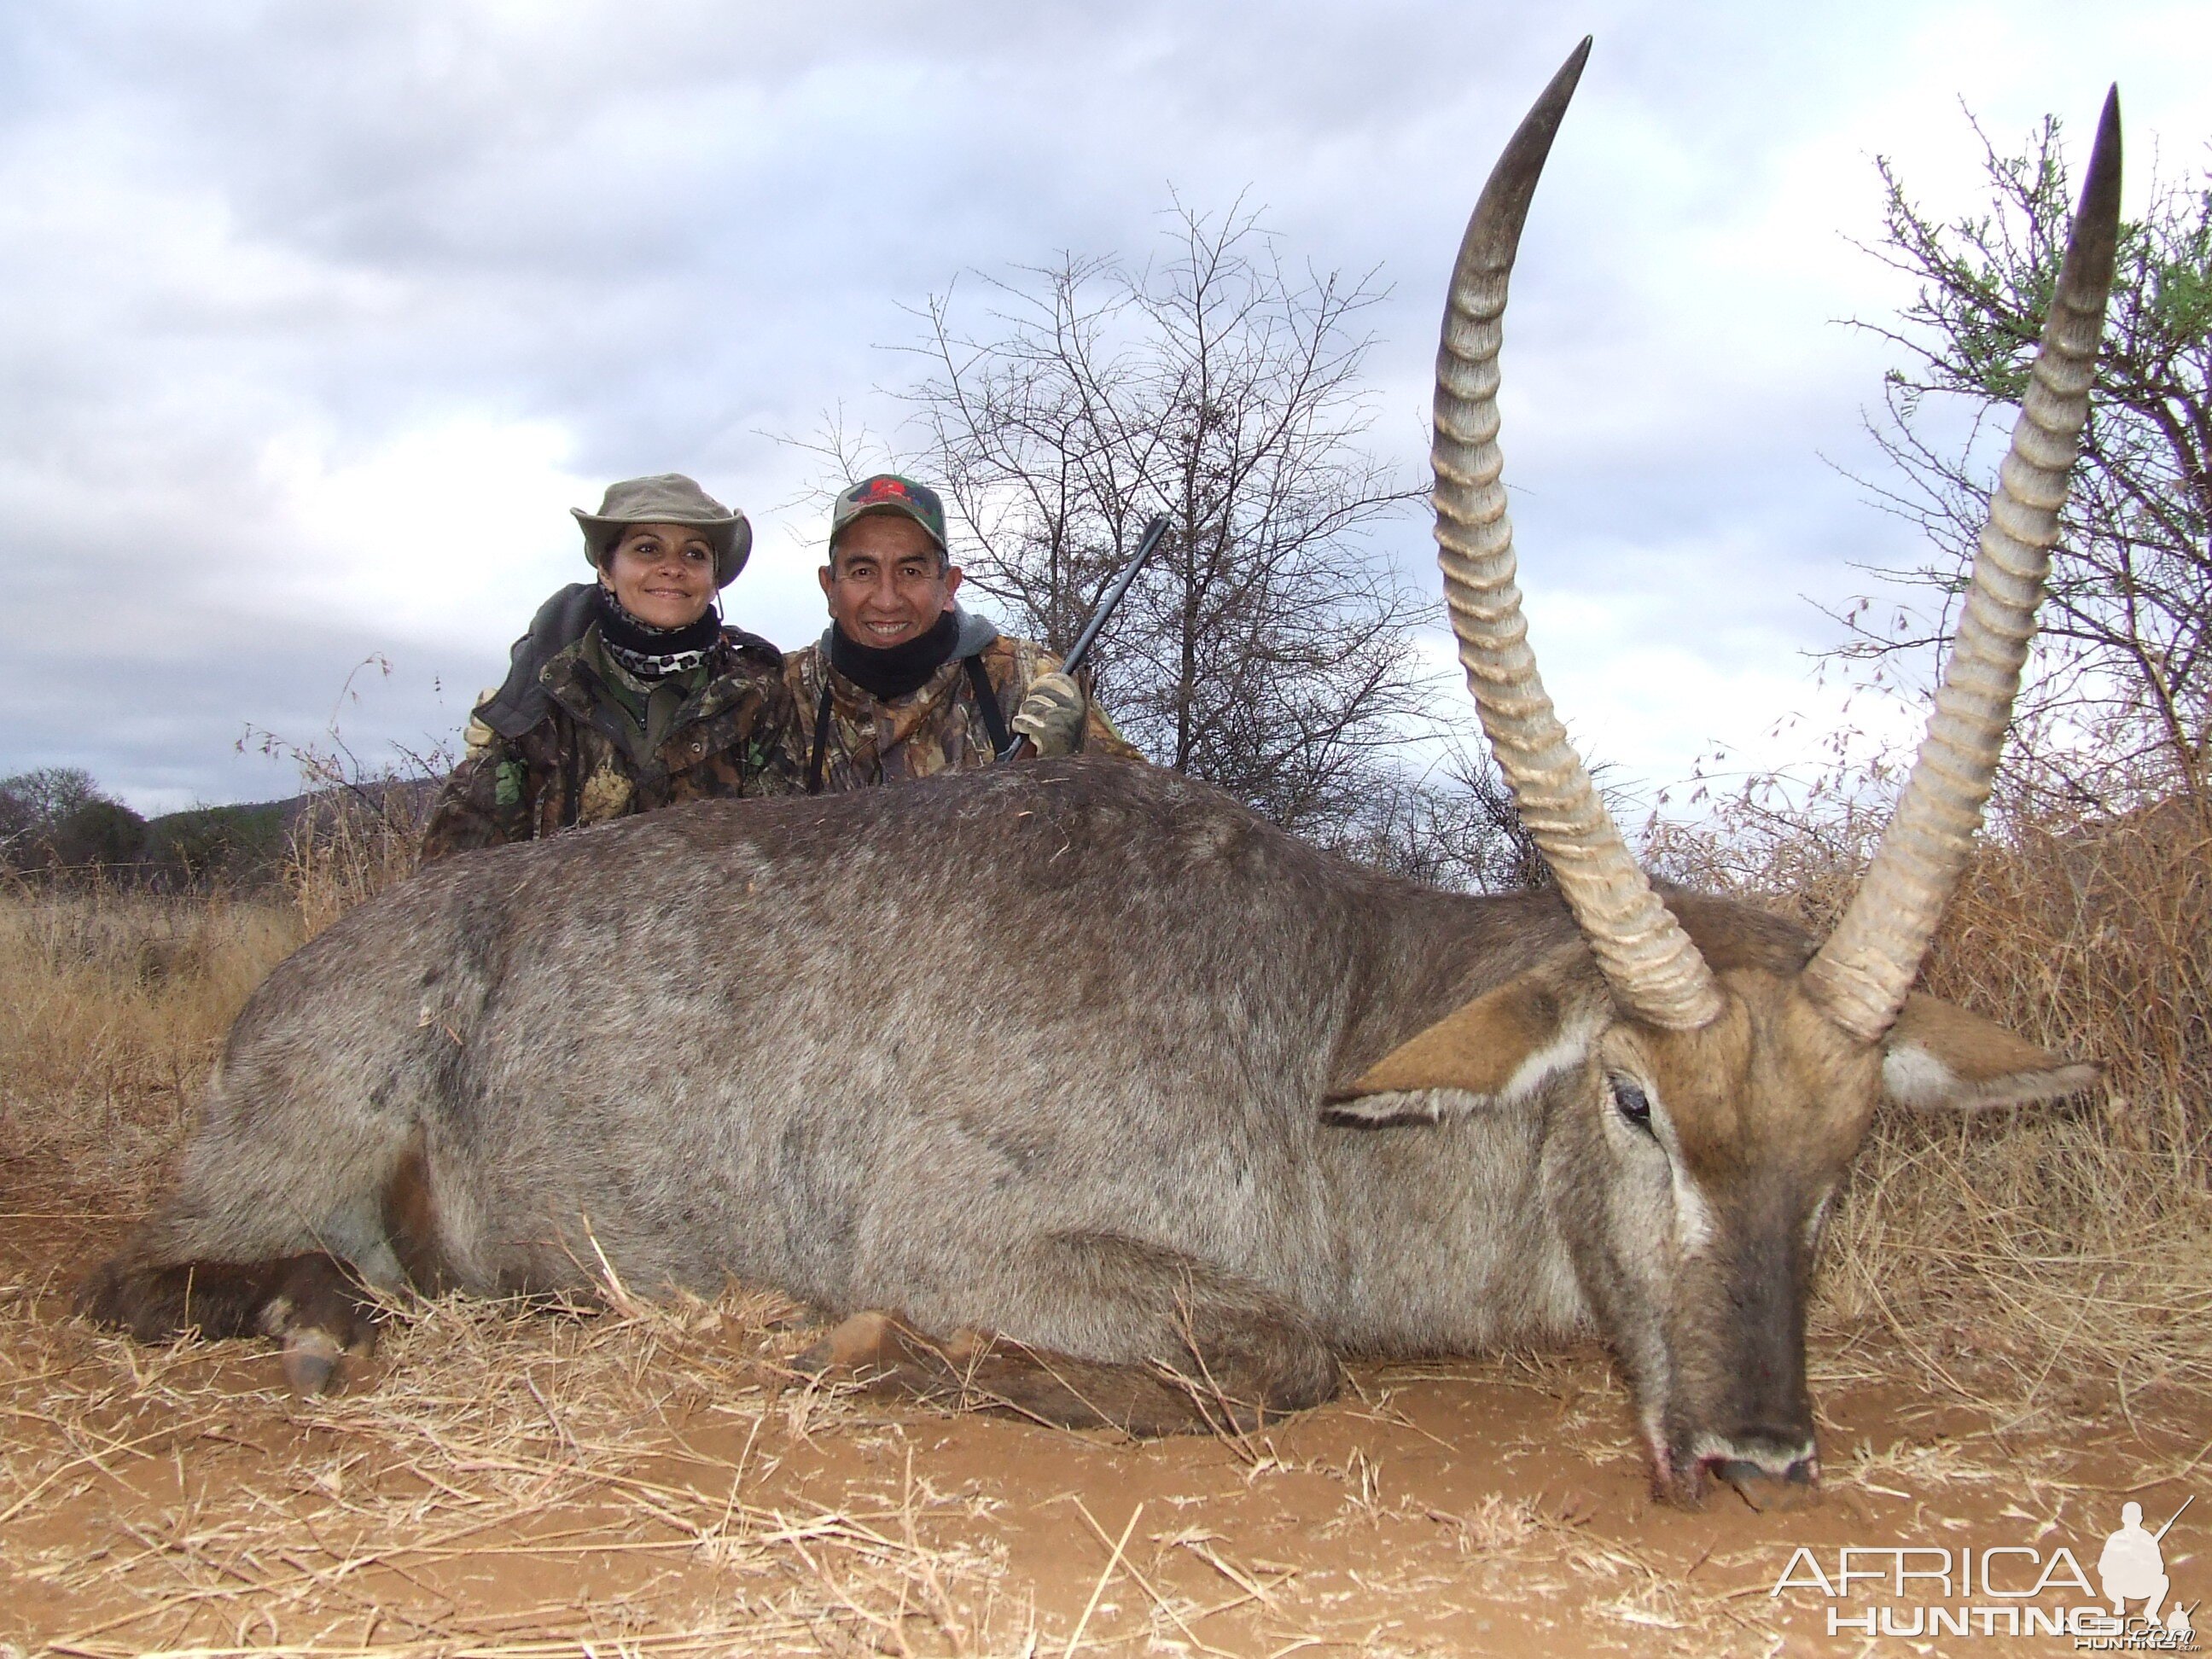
x,y
1128,1106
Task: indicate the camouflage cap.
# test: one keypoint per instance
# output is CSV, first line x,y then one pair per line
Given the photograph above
x,y
667,498
889,493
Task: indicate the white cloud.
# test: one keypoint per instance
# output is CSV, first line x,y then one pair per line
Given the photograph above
x,y
287,283
434,532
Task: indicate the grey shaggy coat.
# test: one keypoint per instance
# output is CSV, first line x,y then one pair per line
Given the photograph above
x,y
978,1049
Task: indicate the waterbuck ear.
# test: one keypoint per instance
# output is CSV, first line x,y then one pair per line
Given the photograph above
x,y
1499,1048
1941,1056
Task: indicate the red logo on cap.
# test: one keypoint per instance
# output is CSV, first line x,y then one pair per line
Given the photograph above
x,y
883,489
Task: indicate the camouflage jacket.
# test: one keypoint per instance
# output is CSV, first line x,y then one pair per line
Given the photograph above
x,y
608,746
937,728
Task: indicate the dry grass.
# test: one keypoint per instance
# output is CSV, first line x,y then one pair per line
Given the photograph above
x,y
117,1002
349,844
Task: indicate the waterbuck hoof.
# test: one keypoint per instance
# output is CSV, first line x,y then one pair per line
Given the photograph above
x,y
1770,1494
849,1343
313,1363
876,1341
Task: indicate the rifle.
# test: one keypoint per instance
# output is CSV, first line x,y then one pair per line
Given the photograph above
x,y
2168,1527
1154,530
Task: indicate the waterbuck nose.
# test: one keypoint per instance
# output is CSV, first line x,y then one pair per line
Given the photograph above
x,y
1768,1471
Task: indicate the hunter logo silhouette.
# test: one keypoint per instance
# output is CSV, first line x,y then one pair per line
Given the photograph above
x,y
2133,1566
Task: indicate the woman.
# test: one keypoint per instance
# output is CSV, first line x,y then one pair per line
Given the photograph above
x,y
627,693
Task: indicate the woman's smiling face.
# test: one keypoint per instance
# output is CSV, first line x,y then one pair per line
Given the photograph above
x,y
663,573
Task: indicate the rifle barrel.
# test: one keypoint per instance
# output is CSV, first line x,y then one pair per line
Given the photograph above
x,y
2156,1537
1155,528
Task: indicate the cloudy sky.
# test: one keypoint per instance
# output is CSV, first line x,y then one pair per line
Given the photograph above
x,y
318,318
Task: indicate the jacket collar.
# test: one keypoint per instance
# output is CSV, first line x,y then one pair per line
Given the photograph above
x,y
976,633
573,678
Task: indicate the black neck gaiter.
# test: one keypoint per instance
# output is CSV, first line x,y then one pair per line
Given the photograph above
x,y
652,653
893,672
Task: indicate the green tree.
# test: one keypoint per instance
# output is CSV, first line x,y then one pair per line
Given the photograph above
x,y
102,835
2119,704
236,845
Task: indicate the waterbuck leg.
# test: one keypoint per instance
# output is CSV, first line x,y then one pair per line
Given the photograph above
x,y
314,1304
1132,1337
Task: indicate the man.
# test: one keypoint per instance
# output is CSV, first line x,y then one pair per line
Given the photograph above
x,y
2133,1567
904,683
627,693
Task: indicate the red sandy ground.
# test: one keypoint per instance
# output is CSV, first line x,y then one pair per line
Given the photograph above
x,y
1477,1508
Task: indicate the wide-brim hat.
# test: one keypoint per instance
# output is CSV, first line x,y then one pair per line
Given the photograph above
x,y
887,492
667,498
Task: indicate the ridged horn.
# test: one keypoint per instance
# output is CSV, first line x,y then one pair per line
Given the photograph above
x,y
1860,976
1653,968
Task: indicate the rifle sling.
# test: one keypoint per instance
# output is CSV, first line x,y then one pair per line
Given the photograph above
x,y
987,705
821,733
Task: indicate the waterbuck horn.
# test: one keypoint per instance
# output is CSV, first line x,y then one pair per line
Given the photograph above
x,y
1650,964
1860,976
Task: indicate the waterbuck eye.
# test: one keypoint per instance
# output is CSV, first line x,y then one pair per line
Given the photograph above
x,y
1630,1101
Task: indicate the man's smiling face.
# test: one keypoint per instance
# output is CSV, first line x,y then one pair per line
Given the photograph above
x,y
886,581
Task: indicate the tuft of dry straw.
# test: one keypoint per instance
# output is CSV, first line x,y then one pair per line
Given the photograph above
x,y
348,845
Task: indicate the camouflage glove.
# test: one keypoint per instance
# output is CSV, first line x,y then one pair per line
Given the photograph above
x,y
477,737
1051,716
